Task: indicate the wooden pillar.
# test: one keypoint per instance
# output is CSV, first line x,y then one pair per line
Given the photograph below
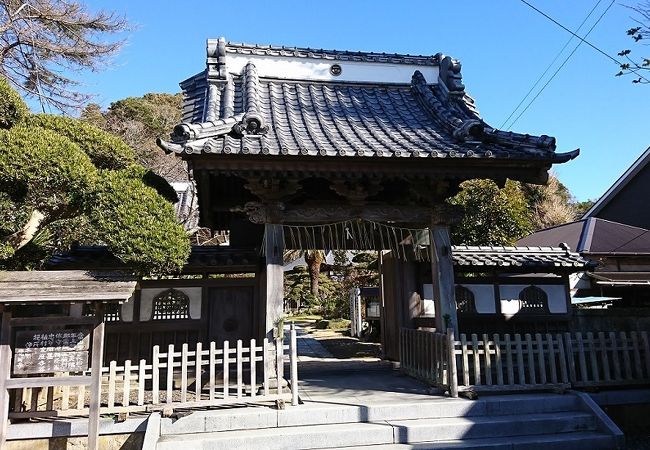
x,y
272,289
400,301
5,373
274,277
96,379
412,299
442,278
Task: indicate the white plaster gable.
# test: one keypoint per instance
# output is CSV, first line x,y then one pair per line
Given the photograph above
x,y
318,69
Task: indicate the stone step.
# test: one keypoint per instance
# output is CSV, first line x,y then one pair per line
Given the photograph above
x,y
564,441
401,431
424,430
318,413
314,437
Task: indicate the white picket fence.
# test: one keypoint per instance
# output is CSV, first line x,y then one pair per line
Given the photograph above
x,y
180,378
524,362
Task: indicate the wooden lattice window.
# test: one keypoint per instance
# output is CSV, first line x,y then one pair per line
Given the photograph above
x,y
533,300
171,304
465,300
111,311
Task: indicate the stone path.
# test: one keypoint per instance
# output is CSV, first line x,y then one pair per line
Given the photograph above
x,y
308,347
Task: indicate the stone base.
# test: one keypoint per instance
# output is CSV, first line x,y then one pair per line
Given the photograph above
x,y
107,442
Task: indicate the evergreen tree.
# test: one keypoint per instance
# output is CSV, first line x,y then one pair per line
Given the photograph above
x,y
63,180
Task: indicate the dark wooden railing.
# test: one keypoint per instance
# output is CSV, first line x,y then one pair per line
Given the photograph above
x,y
524,362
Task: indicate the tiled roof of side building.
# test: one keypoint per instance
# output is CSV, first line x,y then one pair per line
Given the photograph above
x,y
520,258
264,112
204,258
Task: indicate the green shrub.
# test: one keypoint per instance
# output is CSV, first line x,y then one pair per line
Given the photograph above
x,y
43,169
87,186
153,180
138,225
12,107
105,150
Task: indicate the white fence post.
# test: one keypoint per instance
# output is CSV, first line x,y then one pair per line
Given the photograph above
x,y
240,357
293,356
252,357
155,375
226,369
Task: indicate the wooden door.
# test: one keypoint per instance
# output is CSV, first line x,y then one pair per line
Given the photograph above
x,y
230,314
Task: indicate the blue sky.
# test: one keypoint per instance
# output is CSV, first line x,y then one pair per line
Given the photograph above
x,y
504,47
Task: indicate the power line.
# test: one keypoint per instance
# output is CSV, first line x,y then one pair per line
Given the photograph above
x,y
581,39
548,67
561,65
633,239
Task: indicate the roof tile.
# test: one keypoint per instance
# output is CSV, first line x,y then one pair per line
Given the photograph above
x,y
332,118
538,258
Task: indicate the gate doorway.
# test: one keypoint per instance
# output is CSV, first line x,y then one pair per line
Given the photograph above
x,y
230,313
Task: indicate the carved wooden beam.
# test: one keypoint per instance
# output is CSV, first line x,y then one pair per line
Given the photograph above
x,y
354,191
400,214
271,189
431,192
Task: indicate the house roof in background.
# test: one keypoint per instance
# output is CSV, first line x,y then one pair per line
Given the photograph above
x,y
594,236
257,100
545,259
630,173
621,278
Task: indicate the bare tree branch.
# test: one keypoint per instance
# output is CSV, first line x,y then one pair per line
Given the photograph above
x,y
44,42
639,34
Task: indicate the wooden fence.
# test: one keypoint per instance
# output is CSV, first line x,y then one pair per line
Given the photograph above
x,y
425,355
521,362
206,376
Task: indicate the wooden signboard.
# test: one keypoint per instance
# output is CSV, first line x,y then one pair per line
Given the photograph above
x,y
49,351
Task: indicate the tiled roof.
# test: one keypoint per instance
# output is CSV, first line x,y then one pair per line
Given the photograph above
x,y
217,258
249,114
521,258
339,55
63,286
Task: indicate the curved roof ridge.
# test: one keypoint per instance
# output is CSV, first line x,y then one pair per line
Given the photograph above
x,y
343,55
464,123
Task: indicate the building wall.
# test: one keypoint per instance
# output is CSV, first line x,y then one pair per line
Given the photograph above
x,y
629,205
147,299
135,334
511,305
611,319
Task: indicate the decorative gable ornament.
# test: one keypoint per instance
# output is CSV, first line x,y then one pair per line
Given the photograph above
x,y
287,102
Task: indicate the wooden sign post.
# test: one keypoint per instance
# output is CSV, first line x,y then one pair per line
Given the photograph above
x,y
96,375
5,373
57,343
46,351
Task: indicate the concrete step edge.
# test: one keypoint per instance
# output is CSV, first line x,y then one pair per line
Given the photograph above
x,y
595,440
431,424
313,414
282,438
490,427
